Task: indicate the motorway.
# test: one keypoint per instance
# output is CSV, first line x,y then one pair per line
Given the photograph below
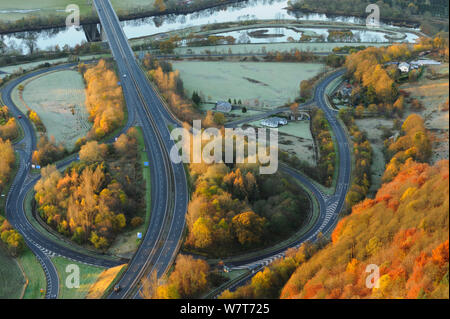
x,y
169,186
169,191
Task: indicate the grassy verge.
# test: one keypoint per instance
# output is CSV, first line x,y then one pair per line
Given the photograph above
x,y
105,282
88,276
35,275
143,156
12,280
127,241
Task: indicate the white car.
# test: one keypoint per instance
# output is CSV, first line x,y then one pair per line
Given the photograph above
x,y
124,75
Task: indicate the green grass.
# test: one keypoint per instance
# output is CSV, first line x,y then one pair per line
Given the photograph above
x,y
88,276
35,275
11,277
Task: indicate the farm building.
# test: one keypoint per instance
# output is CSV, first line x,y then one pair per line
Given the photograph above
x,y
404,67
273,122
224,107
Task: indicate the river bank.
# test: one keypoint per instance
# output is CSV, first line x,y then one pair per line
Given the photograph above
x,y
51,22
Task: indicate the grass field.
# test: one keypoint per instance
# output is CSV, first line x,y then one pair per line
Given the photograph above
x,y
260,84
11,277
59,100
35,275
88,276
11,10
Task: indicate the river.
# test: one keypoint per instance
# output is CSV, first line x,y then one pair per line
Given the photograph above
x,y
241,11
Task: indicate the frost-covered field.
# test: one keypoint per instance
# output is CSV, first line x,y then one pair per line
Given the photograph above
x,y
59,100
257,84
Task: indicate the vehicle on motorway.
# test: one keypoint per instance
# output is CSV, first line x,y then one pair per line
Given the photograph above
x,y
19,117
117,288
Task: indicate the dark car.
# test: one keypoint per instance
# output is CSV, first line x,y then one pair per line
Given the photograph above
x,y
117,288
20,116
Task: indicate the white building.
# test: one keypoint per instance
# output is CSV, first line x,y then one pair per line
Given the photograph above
x,y
404,67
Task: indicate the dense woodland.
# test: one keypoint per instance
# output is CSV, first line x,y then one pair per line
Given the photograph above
x,y
171,87
94,199
413,143
411,247
9,236
47,151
